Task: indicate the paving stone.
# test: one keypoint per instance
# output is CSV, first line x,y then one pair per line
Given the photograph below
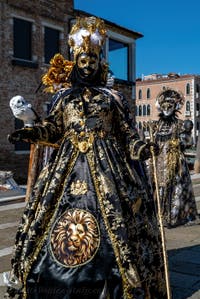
x,y
2,292
196,295
8,237
5,264
11,215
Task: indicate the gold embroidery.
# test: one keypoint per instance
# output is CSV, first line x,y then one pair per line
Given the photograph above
x,y
75,238
28,264
83,145
87,94
173,158
135,280
79,187
83,140
136,155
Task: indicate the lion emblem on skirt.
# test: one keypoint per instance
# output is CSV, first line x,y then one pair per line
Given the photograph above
x,y
75,238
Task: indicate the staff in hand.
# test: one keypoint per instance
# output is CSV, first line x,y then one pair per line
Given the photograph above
x,y
150,127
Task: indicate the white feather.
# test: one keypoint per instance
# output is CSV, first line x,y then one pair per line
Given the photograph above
x,y
95,37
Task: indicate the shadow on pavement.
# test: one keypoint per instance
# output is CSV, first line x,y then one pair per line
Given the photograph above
x,y
184,268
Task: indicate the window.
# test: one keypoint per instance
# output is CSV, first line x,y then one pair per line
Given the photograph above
x,y
140,110
144,109
187,106
51,43
197,106
136,111
118,56
20,145
148,109
148,93
188,88
22,39
140,94
119,51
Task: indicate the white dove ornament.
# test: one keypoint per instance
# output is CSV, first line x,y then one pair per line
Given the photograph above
x,y
23,110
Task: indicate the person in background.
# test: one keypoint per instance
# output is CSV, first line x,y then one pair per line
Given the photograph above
x,y
173,136
89,229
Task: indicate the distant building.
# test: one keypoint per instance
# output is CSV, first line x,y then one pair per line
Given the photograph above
x,y
148,87
31,33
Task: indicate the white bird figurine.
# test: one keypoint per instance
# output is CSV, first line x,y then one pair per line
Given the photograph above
x,y
23,110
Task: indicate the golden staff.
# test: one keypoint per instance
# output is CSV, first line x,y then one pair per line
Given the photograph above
x,y
160,215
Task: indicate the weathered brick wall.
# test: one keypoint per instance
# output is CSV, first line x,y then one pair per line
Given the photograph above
x,y
24,80
47,8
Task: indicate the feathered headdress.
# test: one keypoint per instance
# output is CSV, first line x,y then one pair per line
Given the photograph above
x,y
170,95
87,36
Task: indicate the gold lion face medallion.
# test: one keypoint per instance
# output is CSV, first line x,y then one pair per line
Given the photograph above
x,y
75,238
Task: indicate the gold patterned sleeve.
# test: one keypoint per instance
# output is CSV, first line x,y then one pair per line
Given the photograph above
x,y
126,129
51,128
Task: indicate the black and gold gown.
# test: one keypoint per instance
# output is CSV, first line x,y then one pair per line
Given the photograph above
x,y
89,229
174,180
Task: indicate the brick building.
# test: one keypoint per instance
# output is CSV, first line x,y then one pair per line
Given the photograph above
x,y
148,87
31,32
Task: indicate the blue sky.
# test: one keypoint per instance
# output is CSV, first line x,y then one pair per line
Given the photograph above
x,y
171,30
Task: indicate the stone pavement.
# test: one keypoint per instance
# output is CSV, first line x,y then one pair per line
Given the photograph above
x,y
182,243
183,249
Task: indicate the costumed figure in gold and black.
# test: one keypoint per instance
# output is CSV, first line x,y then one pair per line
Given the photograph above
x,y
173,136
89,230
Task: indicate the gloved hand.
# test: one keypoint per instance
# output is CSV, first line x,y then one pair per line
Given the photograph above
x,y
25,134
146,152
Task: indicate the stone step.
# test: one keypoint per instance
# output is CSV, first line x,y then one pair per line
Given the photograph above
x,y
8,237
11,199
197,199
195,181
196,189
5,260
8,233
12,215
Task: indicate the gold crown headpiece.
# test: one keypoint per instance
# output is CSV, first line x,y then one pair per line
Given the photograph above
x,y
170,95
87,36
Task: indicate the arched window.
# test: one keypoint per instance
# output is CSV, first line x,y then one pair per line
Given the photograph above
x,y
140,94
140,125
188,88
197,88
144,109
197,125
140,110
136,110
148,109
197,106
187,106
148,93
